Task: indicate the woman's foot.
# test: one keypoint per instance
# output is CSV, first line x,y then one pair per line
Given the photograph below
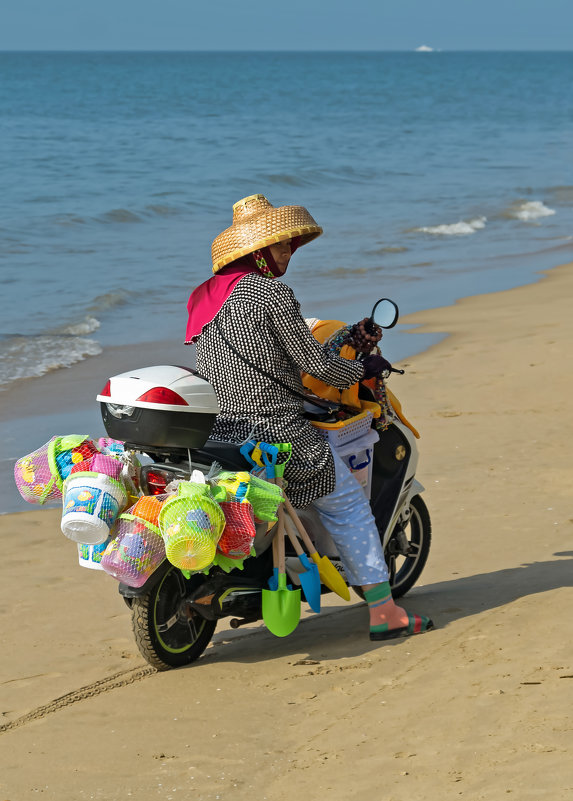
x,y
387,620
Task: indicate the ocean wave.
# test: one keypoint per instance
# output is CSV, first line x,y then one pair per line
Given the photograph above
x,y
15,251
161,210
344,272
69,219
318,177
109,300
33,356
86,326
119,216
460,228
388,249
116,216
286,180
561,194
528,210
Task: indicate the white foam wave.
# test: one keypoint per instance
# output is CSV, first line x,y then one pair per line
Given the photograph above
x,y
87,326
461,228
28,357
529,210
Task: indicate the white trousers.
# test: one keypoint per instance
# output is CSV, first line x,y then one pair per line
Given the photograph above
x,y
347,516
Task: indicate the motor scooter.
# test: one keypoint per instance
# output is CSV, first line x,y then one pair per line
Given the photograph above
x,y
166,413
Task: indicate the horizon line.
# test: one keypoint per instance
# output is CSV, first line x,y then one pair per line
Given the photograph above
x,y
299,50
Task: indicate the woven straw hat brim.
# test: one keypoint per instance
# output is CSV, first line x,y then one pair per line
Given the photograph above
x,y
261,230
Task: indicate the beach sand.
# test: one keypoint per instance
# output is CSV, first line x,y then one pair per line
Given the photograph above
x,y
480,708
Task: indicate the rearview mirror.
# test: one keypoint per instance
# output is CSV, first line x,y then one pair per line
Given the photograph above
x,y
385,313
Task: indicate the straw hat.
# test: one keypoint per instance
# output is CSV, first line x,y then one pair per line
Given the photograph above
x,y
257,224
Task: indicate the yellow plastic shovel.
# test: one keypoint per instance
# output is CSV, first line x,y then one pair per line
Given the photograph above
x,y
329,575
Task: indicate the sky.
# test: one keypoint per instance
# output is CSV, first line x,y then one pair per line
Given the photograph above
x,y
286,24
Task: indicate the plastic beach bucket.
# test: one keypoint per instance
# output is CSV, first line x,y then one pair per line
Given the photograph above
x,y
191,524
39,475
137,549
91,505
91,555
239,532
135,553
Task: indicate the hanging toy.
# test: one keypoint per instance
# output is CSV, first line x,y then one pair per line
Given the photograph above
x,y
94,495
191,524
239,532
40,475
263,496
138,549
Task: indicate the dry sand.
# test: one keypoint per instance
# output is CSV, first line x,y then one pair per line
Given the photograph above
x,y
479,708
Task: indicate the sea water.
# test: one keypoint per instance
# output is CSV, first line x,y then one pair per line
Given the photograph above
x,y
434,175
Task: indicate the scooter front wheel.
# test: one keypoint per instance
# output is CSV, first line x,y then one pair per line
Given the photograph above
x,y
408,548
168,633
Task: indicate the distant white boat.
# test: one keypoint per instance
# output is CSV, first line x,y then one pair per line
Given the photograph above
x,y
424,49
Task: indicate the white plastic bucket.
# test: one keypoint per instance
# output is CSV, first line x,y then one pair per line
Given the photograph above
x,y
91,555
91,505
358,456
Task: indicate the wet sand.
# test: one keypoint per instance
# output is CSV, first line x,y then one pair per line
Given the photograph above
x,y
479,708
62,402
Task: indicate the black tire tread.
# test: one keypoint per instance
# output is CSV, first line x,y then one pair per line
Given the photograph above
x,y
150,648
418,503
140,612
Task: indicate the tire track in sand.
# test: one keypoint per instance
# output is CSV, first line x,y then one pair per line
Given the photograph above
x,y
121,679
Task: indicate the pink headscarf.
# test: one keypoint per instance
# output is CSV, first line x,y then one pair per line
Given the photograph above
x,y
206,300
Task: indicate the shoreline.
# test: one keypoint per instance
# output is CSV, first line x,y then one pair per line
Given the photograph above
x,y
330,711
118,358
63,401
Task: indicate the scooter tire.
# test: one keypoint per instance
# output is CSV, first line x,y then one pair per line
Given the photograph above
x,y
420,536
167,634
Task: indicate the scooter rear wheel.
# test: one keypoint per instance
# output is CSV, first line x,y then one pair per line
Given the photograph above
x,y
168,633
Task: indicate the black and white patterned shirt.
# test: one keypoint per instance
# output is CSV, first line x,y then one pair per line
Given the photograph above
x,y
261,318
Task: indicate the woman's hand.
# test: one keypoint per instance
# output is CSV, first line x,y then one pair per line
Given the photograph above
x,y
374,365
364,336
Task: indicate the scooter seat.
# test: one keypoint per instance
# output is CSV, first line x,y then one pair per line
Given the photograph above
x,y
226,454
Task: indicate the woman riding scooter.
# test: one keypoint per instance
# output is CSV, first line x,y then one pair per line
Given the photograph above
x,y
252,345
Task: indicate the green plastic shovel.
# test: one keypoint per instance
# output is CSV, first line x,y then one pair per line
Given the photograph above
x,y
281,606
